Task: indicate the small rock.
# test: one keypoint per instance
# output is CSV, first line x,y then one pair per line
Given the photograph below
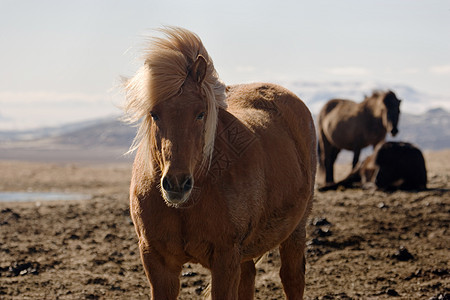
x,y
320,222
198,282
22,269
314,242
392,292
97,280
189,274
199,290
403,254
440,272
322,232
443,296
74,237
382,205
110,237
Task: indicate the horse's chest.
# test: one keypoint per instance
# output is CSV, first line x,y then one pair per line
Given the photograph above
x,y
199,241
198,251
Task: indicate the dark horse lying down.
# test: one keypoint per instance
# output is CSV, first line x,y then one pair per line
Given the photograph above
x,y
392,166
344,124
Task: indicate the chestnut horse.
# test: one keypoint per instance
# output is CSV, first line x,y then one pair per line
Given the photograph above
x,y
221,174
344,124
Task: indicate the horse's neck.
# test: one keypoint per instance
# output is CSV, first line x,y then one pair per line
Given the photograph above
x,y
372,108
232,139
373,120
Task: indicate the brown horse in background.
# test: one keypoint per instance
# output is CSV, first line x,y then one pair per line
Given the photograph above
x,y
221,175
344,124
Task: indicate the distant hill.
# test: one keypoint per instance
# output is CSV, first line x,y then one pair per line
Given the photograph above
x,y
429,131
108,133
98,141
105,132
107,139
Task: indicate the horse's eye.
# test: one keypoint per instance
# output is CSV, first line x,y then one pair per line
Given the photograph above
x,y
154,116
201,116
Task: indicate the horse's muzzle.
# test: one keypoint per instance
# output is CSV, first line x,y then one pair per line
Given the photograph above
x,y
394,131
176,189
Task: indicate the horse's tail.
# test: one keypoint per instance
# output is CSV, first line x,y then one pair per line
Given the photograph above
x,y
330,105
320,150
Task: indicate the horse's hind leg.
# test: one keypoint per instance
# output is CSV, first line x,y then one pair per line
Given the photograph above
x,y
247,282
292,272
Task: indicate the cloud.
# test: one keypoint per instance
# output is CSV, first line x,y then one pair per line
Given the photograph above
x,y
440,70
410,71
348,71
245,69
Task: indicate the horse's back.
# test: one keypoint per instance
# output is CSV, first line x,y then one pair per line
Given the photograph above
x,y
337,108
273,100
275,104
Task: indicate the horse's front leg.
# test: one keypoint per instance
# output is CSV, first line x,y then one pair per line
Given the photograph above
x,y
356,154
161,273
292,272
247,281
225,272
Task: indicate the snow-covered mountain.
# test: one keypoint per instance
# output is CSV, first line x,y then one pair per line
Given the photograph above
x,y
429,131
315,94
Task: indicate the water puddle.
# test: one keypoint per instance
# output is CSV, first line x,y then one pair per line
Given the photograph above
x,y
40,196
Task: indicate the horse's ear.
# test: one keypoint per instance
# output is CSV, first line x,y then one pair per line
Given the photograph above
x,y
198,70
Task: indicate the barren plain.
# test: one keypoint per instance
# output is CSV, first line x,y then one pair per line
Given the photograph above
x,y
362,244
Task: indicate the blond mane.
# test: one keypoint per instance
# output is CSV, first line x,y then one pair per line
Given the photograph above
x,y
167,63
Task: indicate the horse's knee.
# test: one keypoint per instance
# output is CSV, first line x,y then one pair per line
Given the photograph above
x,y
163,278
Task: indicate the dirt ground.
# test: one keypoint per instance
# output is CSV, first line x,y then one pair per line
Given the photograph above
x,y
362,244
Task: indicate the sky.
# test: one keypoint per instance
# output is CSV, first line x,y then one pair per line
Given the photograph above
x,y
63,60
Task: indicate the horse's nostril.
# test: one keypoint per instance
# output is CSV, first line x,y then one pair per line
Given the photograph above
x,y
174,186
166,184
187,184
